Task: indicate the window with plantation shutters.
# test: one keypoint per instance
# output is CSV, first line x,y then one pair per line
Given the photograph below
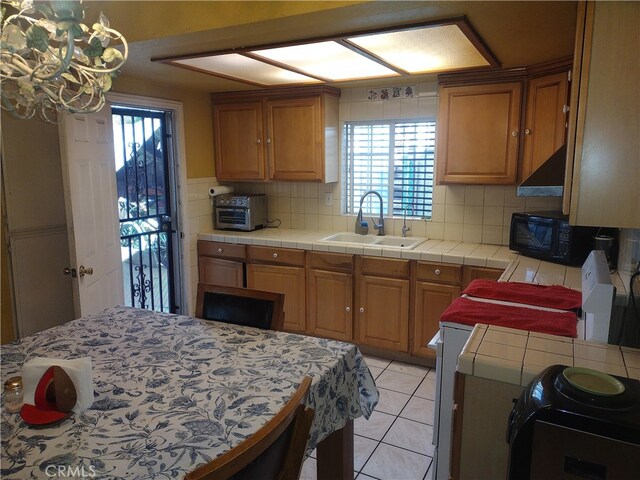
x,y
394,158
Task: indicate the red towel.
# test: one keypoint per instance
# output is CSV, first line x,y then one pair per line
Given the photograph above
x,y
551,296
470,312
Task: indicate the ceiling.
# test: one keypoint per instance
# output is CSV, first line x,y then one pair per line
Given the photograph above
x,y
517,33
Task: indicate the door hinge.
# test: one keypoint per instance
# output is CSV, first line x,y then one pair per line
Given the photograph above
x,y
569,75
181,234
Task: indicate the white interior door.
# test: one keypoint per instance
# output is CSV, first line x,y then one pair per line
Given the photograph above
x,y
86,144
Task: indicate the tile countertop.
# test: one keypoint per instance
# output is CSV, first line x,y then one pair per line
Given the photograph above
x,y
517,268
446,251
516,356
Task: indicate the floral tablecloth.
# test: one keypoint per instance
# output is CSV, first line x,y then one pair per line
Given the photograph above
x,y
173,392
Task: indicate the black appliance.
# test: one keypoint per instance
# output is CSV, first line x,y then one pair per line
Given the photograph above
x,y
572,423
548,236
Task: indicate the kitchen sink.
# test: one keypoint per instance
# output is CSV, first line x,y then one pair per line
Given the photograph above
x,y
399,242
387,241
350,237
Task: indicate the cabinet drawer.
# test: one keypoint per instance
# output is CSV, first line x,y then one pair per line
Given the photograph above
x,y
439,272
280,256
384,267
339,262
221,250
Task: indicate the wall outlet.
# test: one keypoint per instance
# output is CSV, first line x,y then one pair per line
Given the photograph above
x,y
328,199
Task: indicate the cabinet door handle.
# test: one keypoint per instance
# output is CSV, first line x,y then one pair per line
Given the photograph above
x,y
348,309
275,255
514,133
268,140
219,250
361,309
565,108
258,140
527,132
437,271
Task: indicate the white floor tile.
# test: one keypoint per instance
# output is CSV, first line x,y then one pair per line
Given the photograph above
x,y
309,471
408,368
393,463
411,435
419,409
375,371
374,428
427,389
391,402
372,361
398,382
363,448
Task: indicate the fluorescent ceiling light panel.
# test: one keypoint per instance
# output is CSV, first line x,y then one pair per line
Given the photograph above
x,y
327,60
247,69
423,50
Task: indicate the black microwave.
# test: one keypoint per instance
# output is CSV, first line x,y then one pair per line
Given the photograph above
x,y
548,236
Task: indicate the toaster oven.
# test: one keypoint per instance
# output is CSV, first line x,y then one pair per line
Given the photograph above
x,y
240,212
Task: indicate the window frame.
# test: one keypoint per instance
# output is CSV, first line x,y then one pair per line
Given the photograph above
x,y
350,204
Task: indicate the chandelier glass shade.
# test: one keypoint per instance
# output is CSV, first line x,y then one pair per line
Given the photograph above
x,y
51,62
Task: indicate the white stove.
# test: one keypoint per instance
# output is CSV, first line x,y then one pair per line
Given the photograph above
x,y
597,301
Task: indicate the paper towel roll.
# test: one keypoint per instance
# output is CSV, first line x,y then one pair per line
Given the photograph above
x,y
219,190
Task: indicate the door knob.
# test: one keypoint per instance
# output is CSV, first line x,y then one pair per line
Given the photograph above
x,y
85,271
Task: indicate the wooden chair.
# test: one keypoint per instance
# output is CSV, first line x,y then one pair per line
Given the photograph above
x,y
275,452
240,306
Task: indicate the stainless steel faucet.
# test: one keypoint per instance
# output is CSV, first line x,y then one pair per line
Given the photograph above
x,y
361,226
405,229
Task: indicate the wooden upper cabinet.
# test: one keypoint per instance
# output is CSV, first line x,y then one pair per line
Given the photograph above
x,y
237,138
277,134
545,120
478,133
603,168
295,139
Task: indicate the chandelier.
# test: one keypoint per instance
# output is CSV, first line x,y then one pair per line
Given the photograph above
x,y
51,62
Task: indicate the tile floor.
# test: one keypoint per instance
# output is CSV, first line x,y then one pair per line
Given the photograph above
x,y
395,443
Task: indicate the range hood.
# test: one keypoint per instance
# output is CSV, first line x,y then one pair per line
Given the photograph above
x,y
548,179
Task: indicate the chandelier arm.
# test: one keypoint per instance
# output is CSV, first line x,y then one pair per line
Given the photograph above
x,y
64,64
16,64
119,65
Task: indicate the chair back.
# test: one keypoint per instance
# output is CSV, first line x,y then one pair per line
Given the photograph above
x,y
240,306
275,452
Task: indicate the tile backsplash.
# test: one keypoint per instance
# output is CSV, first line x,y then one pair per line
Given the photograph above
x,y
473,214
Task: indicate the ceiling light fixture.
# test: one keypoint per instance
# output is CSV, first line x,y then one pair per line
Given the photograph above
x,y
51,62
427,47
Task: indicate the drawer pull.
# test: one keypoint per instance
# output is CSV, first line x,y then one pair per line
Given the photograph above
x,y
437,271
275,255
361,309
219,250
348,309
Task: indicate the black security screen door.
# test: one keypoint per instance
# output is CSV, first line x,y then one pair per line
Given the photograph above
x,y
144,207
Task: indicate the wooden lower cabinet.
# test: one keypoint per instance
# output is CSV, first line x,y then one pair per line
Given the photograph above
x,y
480,419
216,271
383,313
431,299
287,280
330,304
221,263
470,273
